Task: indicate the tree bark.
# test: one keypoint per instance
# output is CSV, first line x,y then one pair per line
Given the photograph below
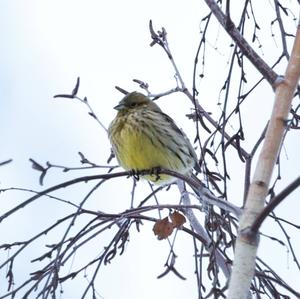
x,y
247,243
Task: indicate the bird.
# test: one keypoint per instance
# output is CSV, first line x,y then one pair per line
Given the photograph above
x,y
143,137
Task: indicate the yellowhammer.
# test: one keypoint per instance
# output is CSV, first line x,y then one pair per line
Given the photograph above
x,y
143,137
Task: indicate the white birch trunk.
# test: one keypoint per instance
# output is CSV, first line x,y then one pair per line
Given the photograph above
x,y
246,245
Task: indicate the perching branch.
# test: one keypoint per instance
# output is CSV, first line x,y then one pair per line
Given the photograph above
x,y
208,198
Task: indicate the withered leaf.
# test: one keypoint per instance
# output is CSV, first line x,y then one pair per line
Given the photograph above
x,y
163,228
177,219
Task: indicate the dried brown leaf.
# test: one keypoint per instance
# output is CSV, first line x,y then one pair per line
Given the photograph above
x,y
163,228
177,219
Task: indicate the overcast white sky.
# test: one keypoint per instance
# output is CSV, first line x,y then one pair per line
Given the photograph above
x,y
45,45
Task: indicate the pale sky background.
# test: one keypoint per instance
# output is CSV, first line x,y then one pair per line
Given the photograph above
x,y
45,46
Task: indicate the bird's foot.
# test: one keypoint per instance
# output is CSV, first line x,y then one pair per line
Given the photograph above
x,y
155,171
136,174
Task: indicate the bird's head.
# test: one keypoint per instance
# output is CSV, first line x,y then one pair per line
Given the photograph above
x,y
135,100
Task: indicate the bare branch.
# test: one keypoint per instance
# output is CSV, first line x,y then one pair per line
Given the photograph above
x,y
274,203
247,50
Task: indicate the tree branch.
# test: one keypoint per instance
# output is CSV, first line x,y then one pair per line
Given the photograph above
x,y
247,244
244,46
274,203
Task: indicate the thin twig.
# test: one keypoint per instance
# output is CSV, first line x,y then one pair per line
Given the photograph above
x,y
274,203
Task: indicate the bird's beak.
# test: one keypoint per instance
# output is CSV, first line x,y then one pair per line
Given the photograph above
x,y
119,107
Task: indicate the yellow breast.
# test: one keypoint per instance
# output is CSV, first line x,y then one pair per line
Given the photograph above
x,y
139,146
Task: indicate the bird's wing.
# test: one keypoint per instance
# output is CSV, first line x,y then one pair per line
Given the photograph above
x,y
180,132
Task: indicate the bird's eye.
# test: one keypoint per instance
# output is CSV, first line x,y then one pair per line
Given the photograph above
x,y
132,105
